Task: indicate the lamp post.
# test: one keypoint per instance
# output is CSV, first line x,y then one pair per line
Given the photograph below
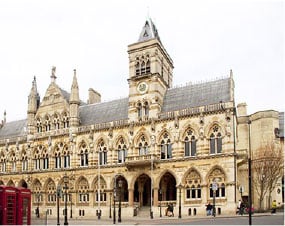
x,y
249,174
214,188
38,209
65,180
160,194
70,196
58,195
110,210
120,197
179,212
114,206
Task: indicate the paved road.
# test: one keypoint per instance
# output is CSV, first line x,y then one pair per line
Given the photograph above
x,y
257,219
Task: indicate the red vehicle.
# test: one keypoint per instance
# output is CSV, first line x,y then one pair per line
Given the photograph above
x,y
15,205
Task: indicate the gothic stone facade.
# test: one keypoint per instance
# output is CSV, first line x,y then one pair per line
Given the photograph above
x,y
159,145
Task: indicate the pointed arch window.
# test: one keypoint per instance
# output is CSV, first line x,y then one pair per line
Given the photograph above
x,y
143,69
166,147
3,164
39,125
83,191
147,69
47,123
139,110
83,155
56,122
216,141
24,162
143,146
146,109
45,159
190,144
65,120
137,68
193,186
37,160
66,158
102,153
57,160
13,163
122,151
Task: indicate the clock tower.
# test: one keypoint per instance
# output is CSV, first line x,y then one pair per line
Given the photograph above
x,y
150,74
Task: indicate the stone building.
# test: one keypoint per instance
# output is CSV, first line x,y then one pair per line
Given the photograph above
x,y
160,145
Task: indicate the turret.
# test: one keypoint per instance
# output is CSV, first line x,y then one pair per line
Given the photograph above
x,y
74,102
33,105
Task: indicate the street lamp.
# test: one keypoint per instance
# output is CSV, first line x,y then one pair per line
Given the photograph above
x,y
214,188
249,174
65,180
179,213
120,197
160,194
110,211
70,196
114,206
58,195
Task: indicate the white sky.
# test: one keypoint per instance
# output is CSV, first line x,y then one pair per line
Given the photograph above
x,y
205,39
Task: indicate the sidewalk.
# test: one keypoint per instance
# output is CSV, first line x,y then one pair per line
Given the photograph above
x,y
105,220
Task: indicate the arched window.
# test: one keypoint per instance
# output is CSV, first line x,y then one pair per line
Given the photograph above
x,y
122,151
39,125
56,122
66,158
190,144
217,184
166,147
13,163
146,109
147,67
143,69
139,110
51,192
137,68
47,123
193,185
57,160
45,159
65,120
37,159
216,141
24,162
83,191
102,153
83,155
143,146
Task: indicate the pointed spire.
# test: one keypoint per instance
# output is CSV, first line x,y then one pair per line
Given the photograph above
x,y
74,94
53,77
149,31
4,121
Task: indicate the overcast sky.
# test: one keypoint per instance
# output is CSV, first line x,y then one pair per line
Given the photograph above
x,y
205,39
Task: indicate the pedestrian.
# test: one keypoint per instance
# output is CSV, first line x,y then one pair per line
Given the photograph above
x,y
241,208
209,208
238,207
274,206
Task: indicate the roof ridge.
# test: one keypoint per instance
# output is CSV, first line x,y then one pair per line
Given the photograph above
x,y
200,82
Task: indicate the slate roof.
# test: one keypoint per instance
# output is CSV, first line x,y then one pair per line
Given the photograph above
x,y
148,32
195,95
192,95
13,129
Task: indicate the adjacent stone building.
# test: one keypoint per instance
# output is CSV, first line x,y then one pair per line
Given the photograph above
x,y
159,145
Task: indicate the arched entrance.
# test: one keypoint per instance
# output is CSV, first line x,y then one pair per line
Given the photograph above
x,y
168,187
142,191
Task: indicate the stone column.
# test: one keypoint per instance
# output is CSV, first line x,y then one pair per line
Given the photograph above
x,y
155,196
131,197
